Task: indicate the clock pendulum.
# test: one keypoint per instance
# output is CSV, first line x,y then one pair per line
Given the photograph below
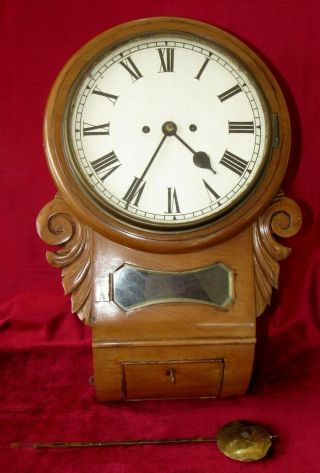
x,y
168,140
239,440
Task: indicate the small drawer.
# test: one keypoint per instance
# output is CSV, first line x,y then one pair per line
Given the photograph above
x,y
172,379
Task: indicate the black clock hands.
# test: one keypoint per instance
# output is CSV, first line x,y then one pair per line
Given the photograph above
x,y
137,186
153,157
200,158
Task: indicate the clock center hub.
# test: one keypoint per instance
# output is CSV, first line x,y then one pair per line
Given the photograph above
x,y
169,128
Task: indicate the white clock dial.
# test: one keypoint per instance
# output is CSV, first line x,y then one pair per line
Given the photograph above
x,y
168,130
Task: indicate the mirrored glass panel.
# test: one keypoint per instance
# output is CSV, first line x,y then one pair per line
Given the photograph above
x,y
135,287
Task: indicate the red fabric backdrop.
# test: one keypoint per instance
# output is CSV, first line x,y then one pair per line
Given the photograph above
x,y
45,351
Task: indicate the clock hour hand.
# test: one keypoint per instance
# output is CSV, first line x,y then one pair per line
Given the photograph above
x,y
200,158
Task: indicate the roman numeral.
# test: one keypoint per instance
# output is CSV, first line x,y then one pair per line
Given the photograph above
x,y
241,127
130,66
134,192
229,93
108,163
210,191
111,97
167,59
173,204
204,65
233,162
89,130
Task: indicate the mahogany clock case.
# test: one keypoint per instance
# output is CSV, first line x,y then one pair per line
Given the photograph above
x,y
175,348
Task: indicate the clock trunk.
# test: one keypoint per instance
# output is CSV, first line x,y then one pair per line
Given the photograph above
x,y
174,349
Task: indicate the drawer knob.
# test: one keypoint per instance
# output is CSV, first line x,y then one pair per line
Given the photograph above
x,y
172,375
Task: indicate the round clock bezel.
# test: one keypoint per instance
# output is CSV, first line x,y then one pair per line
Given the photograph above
x,y
137,219
155,238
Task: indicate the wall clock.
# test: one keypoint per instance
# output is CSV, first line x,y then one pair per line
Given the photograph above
x,y
168,140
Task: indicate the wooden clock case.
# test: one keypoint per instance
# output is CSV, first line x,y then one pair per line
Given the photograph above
x,y
173,349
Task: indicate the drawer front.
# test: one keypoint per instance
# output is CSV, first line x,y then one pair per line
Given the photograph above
x,y
172,379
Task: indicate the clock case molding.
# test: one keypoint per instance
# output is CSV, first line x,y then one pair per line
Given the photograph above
x,y
138,354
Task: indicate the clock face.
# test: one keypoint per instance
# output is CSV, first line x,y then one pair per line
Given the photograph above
x,y
167,130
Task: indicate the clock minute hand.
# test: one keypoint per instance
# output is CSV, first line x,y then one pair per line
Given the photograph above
x,y
153,157
138,181
200,158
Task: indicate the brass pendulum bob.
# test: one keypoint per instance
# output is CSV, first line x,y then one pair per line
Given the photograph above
x,y
239,440
243,441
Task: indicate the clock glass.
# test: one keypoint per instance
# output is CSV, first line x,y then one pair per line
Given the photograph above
x,y
167,131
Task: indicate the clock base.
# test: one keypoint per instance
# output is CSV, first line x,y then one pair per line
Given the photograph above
x,y
170,370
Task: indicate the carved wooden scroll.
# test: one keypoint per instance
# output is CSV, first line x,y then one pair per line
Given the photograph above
x,y
58,225
282,218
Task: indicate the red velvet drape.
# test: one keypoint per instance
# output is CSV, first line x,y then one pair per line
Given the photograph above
x,y
45,354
